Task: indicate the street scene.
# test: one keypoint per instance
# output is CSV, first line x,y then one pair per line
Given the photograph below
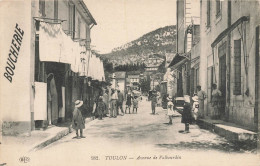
x,y
138,82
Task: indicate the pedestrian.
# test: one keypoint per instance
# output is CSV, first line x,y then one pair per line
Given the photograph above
x,y
128,101
158,99
106,101
201,97
114,97
78,122
153,102
120,102
100,107
215,101
195,107
135,104
186,115
170,111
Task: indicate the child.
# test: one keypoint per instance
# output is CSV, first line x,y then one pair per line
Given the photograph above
x,y
153,102
101,106
195,107
128,102
186,115
135,104
170,109
78,122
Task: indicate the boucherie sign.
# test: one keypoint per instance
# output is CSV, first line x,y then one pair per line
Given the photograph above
x,y
13,53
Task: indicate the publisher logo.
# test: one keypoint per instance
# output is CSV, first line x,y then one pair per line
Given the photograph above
x,y
24,159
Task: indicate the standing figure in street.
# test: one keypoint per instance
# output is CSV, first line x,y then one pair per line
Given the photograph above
x,y
135,104
170,111
106,101
186,115
128,101
78,122
201,97
113,112
120,102
100,108
195,107
153,102
215,101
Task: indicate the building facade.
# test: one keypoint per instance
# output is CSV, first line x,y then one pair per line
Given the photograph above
x,y
186,61
230,58
52,40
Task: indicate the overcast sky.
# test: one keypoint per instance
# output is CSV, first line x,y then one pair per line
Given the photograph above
x,y
121,21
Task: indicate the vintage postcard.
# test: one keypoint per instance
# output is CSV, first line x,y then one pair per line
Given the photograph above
x,y
129,82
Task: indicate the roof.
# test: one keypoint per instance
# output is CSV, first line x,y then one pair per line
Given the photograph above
x,y
87,11
178,58
120,74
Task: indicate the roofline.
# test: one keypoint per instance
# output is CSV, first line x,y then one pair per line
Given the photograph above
x,y
87,11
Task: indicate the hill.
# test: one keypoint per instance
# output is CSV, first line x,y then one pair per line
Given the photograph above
x,y
161,41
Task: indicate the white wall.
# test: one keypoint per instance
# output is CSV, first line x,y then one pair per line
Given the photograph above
x,y
15,95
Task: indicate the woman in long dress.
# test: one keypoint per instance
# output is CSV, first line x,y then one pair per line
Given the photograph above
x,y
215,101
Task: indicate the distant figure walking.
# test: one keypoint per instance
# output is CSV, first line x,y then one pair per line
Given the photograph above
x,y
101,106
120,102
106,101
153,102
135,104
78,122
113,111
128,101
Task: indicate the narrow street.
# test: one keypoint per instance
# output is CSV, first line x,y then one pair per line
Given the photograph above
x,y
140,137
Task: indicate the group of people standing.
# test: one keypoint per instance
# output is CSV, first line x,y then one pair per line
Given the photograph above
x,y
114,103
194,109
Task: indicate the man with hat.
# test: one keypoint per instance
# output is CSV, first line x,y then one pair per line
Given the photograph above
x,y
78,122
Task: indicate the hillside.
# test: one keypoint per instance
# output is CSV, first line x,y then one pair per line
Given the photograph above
x,y
160,41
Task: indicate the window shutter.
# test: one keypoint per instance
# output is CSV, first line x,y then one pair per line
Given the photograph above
x,y
237,67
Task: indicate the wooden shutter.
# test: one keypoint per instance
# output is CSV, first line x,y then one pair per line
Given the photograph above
x,y
237,67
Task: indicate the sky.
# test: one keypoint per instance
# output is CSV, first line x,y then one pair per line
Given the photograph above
x,y
121,21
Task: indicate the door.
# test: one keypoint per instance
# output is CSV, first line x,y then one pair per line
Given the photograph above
x,y
222,83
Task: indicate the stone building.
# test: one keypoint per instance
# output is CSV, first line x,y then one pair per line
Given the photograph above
x,y
52,40
230,58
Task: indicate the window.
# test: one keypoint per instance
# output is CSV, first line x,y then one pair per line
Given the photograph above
x,y
218,8
55,9
42,7
79,24
71,19
208,13
237,67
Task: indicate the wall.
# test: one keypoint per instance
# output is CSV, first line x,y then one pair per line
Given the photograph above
x,y
16,112
208,35
241,109
242,106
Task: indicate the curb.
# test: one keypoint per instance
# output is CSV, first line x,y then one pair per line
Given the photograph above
x,y
52,139
58,136
229,132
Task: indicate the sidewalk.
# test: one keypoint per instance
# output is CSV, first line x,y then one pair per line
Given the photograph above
x,y
230,131
40,138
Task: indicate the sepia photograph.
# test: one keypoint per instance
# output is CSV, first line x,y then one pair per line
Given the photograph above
x,y
130,82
